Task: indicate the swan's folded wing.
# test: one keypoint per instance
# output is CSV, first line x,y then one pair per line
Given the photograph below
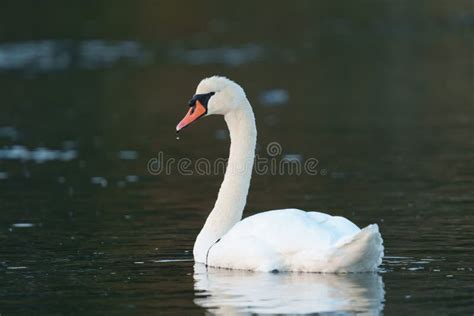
x,y
273,239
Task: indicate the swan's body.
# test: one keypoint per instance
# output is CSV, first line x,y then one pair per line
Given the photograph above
x,y
295,240
283,240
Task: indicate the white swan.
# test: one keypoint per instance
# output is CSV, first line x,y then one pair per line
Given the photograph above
x,y
282,240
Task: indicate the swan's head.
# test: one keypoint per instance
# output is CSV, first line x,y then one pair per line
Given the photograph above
x,y
214,95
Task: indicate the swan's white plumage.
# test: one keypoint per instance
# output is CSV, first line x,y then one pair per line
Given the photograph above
x,y
295,240
284,240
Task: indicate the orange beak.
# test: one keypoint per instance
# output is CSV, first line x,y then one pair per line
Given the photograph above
x,y
193,114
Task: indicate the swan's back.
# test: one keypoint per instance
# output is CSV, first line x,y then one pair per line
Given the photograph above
x,y
294,240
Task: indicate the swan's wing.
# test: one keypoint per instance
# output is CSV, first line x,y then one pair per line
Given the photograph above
x,y
293,229
266,240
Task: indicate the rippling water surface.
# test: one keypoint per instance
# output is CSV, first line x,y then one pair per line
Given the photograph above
x,y
380,94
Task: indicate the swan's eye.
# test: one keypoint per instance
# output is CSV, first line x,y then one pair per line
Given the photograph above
x,y
198,108
203,98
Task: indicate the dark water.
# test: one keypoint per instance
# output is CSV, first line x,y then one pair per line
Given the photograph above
x,y
381,93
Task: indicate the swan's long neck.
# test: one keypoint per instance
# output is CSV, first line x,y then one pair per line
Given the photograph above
x,y
232,195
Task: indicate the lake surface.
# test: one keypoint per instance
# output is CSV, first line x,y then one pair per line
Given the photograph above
x,y
381,94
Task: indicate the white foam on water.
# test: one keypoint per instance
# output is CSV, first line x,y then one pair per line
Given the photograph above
x,y
53,55
292,157
274,97
131,178
231,56
38,155
128,155
16,268
100,181
23,225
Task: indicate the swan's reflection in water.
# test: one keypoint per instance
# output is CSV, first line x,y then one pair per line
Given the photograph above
x,y
236,292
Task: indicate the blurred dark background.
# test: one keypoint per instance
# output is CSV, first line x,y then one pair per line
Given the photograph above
x,y
380,92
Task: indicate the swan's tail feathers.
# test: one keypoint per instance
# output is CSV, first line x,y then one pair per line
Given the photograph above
x,y
362,252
